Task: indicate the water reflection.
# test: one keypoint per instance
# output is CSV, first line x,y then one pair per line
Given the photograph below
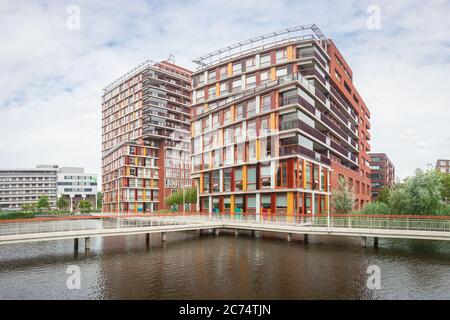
x,y
226,267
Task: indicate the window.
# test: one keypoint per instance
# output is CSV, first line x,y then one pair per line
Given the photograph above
x,y
237,85
200,95
206,182
239,153
252,151
282,175
238,134
199,79
250,63
265,177
216,120
265,147
251,178
238,179
217,158
237,68
227,116
205,124
228,137
223,88
265,126
223,72
250,81
251,204
239,205
212,91
212,76
281,55
239,112
197,127
281,72
228,155
308,175
251,108
316,176
281,203
266,103
216,181
265,60
251,129
227,179
206,160
265,76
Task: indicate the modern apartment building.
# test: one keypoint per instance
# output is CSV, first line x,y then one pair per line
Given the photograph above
x,y
145,137
25,186
76,185
270,123
344,94
443,165
382,173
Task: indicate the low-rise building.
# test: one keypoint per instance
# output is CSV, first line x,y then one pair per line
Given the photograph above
x,y
76,185
443,165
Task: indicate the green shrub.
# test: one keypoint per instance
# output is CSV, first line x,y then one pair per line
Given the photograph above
x,y
16,215
376,208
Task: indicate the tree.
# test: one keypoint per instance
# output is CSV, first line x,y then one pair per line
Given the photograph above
x,y
29,207
176,198
84,205
445,180
343,198
383,195
376,207
43,203
62,203
419,194
99,200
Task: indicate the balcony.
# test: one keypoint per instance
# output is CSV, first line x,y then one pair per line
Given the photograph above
x,y
299,124
298,149
298,100
333,126
313,72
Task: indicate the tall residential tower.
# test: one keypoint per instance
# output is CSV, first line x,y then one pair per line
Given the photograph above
x,y
145,137
270,124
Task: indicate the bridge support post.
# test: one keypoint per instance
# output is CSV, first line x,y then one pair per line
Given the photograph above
x,y
375,242
87,243
75,245
200,232
216,232
363,242
289,237
253,233
163,237
236,232
305,238
147,239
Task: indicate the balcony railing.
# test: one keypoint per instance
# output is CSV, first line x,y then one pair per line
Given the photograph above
x,y
299,124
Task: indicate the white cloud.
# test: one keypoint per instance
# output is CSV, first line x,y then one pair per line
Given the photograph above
x,y
52,77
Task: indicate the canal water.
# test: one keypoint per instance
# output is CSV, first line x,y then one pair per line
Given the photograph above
x,y
188,266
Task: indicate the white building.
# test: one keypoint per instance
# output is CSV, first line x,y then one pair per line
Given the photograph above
x,y
76,185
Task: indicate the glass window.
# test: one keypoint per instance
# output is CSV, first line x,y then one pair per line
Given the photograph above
x,y
216,120
200,94
216,181
252,151
238,134
223,88
223,72
237,68
264,126
281,55
227,204
206,183
265,147
250,63
228,136
251,178
212,76
228,155
265,60
212,91
266,103
237,85
265,177
251,129
251,108
282,175
239,153
227,116
265,76
239,112
239,204
250,81
251,204
281,72
238,179
227,179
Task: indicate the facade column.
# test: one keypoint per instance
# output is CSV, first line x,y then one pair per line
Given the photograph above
x,y
163,237
258,207
87,243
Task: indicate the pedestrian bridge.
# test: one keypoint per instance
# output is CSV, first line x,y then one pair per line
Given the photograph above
x,y
362,226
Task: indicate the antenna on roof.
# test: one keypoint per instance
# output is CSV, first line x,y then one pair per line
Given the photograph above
x,y
171,59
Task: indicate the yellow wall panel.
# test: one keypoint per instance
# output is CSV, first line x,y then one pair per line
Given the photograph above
x,y
232,203
273,73
244,178
290,203
217,89
230,69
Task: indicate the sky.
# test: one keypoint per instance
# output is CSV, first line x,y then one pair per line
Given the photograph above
x,y
57,56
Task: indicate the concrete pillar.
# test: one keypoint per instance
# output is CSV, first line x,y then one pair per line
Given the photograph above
x,y
163,237
375,242
289,237
87,243
253,233
216,232
305,238
75,244
363,242
147,238
200,232
236,232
